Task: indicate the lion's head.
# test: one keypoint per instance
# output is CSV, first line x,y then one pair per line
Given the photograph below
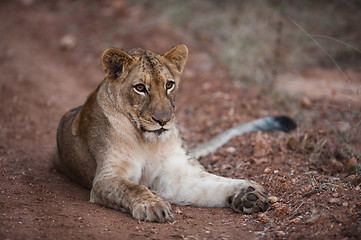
x,y
142,84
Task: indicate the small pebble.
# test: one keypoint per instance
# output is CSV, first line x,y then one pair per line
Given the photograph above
x,y
296,220
283,149
292,143
334,201
284,186
340,189
282,211
177,210
68,42
316,219
305,102
267,170
273,199
263,218
280,234
277,205
230,149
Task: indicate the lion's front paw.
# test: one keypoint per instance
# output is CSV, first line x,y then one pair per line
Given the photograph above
x,y
251,198
154,210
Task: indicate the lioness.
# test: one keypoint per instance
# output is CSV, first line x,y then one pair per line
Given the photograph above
x,y
123,143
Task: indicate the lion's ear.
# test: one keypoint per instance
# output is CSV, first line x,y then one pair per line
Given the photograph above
x,y
176,59
115,61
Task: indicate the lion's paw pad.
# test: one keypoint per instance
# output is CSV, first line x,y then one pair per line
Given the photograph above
x,y
156,210
252,198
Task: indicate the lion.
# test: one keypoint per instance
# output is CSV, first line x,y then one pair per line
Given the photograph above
x,y
123,143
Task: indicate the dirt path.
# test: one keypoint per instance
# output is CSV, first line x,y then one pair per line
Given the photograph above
x,y
39,82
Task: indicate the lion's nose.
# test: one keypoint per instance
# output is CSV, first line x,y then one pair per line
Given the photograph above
x,y
162,118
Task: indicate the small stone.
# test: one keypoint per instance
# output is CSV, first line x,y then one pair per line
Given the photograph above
x,y
263,218
335,194
177,210
282,211
252,160
267,170
345,204
262,160
340,189
231,150
334,201
283,149
227,167
273,199
284,187
277,205
177,235
319,218
305,102
292,143
68,42
280,234
353,209
296,220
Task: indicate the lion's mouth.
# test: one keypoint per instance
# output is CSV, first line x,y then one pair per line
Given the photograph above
x,y
157,132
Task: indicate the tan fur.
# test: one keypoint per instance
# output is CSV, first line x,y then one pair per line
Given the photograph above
x,y
124,146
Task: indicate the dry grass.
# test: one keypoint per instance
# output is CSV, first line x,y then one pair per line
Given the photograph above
x,y
256,40
333,151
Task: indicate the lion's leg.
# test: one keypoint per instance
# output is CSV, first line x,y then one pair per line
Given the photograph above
x,y
187,184
113,190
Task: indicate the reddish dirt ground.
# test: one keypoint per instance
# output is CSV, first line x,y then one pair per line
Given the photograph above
x,y
40,80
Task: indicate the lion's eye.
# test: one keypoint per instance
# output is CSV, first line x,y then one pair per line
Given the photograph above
x,y
169,85
140,88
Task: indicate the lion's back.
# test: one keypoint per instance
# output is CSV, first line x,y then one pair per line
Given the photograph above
x,y
70,156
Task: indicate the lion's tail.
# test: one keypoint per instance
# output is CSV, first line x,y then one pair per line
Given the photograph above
x,y
279,123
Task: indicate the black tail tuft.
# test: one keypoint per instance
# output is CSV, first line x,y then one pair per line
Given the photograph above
x,y
287,124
